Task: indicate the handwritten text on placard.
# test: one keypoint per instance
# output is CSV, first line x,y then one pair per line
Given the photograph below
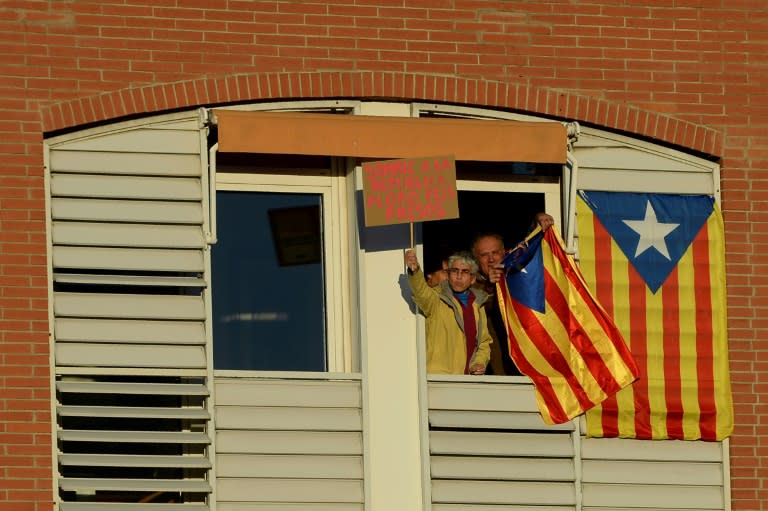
x,y
410,190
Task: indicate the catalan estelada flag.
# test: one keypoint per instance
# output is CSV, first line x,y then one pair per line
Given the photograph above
x,y
657,264
559,335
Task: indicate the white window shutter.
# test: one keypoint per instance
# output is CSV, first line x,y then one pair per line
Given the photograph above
x,y
128,213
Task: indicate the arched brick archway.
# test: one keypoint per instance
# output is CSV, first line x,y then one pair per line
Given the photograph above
x,y
382,85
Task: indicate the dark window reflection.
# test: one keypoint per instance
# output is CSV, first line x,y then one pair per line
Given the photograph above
x,y
268,289
509,214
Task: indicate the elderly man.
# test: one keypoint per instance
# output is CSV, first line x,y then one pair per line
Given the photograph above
x,y
489,250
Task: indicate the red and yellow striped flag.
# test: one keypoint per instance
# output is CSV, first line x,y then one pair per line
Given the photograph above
x,y
559,335
657,264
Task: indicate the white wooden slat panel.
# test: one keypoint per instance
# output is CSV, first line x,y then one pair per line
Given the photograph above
x,y
289,442
89,484
288,418
652,496
149,389
183,122
631,158
131,235
285,444
125,187
157,437
282,490
133,412
588,139
504,492
521,469
621,180
494,507
127,211
177,139
646,472
130,460
289,466
128,280
668,450
482,396
130,355
122,258
135,163
493,420
290,506
130,506
129,331
242,392
480,443
128,306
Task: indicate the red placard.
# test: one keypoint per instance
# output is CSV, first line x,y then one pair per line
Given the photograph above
x,y
410,190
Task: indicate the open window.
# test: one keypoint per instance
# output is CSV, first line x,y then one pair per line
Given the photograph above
x,y
492,199
503,201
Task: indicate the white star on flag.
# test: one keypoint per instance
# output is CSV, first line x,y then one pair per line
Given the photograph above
x,y
652,233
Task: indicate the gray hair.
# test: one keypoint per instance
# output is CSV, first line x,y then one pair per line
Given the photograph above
x,y
464,257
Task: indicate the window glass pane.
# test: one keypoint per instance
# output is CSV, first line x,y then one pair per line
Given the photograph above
x,y
268,288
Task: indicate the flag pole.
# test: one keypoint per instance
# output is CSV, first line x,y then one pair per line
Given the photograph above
x,y
411,223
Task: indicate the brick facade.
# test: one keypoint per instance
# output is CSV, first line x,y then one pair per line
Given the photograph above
x,y
691,74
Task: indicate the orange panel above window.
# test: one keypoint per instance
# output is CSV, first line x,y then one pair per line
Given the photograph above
x,y
390,137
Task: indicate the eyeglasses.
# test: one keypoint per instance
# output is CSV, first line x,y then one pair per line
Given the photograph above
x,y
459,272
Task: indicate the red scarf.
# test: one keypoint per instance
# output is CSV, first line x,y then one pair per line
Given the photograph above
x,y
470,328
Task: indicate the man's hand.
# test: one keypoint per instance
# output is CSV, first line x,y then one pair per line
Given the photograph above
x,y
545,221
411,261
495,272
477,369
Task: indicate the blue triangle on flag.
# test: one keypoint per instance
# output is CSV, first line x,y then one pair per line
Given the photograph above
x,y
652,230
525,274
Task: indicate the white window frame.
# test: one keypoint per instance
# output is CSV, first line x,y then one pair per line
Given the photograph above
x,y
339,344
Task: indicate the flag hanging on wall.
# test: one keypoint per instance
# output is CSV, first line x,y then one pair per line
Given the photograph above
x,y
559,335
657,264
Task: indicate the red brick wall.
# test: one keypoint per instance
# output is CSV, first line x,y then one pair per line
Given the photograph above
x,y
687,72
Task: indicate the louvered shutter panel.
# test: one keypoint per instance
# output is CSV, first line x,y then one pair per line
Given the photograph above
x,y
128,237
610,162
490,448
289,444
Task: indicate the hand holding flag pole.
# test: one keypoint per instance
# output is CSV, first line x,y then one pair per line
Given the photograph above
x,y
497,271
